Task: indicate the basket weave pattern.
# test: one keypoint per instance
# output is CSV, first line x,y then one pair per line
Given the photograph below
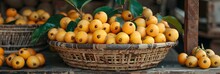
x,y
14,37
113,56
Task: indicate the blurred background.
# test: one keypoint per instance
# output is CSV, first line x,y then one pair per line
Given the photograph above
x,y
209,21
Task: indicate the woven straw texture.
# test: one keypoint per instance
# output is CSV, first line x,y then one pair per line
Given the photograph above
x,y
14,37
112,56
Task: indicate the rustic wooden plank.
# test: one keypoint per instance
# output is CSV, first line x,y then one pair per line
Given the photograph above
x,y
191,25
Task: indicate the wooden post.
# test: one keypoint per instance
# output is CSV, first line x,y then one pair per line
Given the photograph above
x,y
191,25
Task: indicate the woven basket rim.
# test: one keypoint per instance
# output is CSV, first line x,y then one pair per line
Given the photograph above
x,y
13,25
112,46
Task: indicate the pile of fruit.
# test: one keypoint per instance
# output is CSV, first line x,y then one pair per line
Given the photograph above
x,y
101,29
24,56
27,17
204,58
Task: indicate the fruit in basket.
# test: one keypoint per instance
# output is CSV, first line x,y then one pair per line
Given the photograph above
x,y
160,38
209,52
191,61
111,35
128,28
73,15
20,22
40,22
9,19
40,11
81,37
112,19
11,12
70,11
204,62
41,58
148,40
33,62
151,20
23,52
122,38
60,36
182,58
90,40
1,20
31,22
87,17
52,33
126,15
27,12
83,25
32,51
99,37
34,16
110,40
147,12
141,30
69,37
200,53
161,27
9,58
45,16
18,62
171,34
165,23
115,27
152,30
95,25
140,22
64,22
215,60
106,27
135,38
102,16
2,51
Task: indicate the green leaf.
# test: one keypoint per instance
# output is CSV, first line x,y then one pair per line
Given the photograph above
x,y
120,20
159,17
71,26
77,20
55,19
135,24
113,13
172,20
11,23
108,10
135,7
120,2
78,3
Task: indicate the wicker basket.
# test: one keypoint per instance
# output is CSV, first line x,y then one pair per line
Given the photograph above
x,y
14,37
112,56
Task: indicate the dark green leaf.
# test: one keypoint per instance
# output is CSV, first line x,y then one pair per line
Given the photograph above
x,y
159,17
120,20
135,7
55,19
77,20
11,23
172,20
120,2
135,24
71,26
78,3
112,13
108,10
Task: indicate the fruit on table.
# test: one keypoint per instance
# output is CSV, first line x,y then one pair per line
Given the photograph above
x,y
182,58
33,62
32,51
9,58
215,60
204,62
200,53
191,61
18,62
209,52
1,51
23,52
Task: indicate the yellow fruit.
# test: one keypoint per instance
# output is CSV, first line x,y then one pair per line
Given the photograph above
x,y
60,36
73,15
83,25
9,58
128,27
41,58
11,12
26,12
64,22
69,37
102,16
32,51
23,52
122,38
160,38
31,22
76,30
140,22
126,15
90,40
191,61
111,35
152,30
20,22
71,11
40,11
34,16
141,30
115,27
151,20
209,52
111,40
2,51
1,21
204,62
171,35
45,16
165,23
33,62
99,36
63,13
95,25
215,60
147,12
9,19
87,17
195,49
18,62
52,34
117,15
81,37
148,40
106,27
135,38
40,22
200,53
112,19
161,27
182,58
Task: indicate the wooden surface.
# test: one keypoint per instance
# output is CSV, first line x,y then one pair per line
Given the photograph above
x,y
191,25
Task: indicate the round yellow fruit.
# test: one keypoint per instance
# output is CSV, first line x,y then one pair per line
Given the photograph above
x,y
191,61
99,37
141,30
112,19
40,11
102,16
161,27
69,37
64,22
171,35
73,15
111,35
81,37
126,15
111,40
90,40
34,16
152,30
215,60
20,22
115,27
26,12
60,36
128,27
45,16
160,38
151,20
83,25
87,17
148,40
106,27
122,38
140,22
52,34
135,38
204,62
95,25
147,12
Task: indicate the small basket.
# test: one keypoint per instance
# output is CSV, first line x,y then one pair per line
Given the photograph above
x,y
112,56
14,37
